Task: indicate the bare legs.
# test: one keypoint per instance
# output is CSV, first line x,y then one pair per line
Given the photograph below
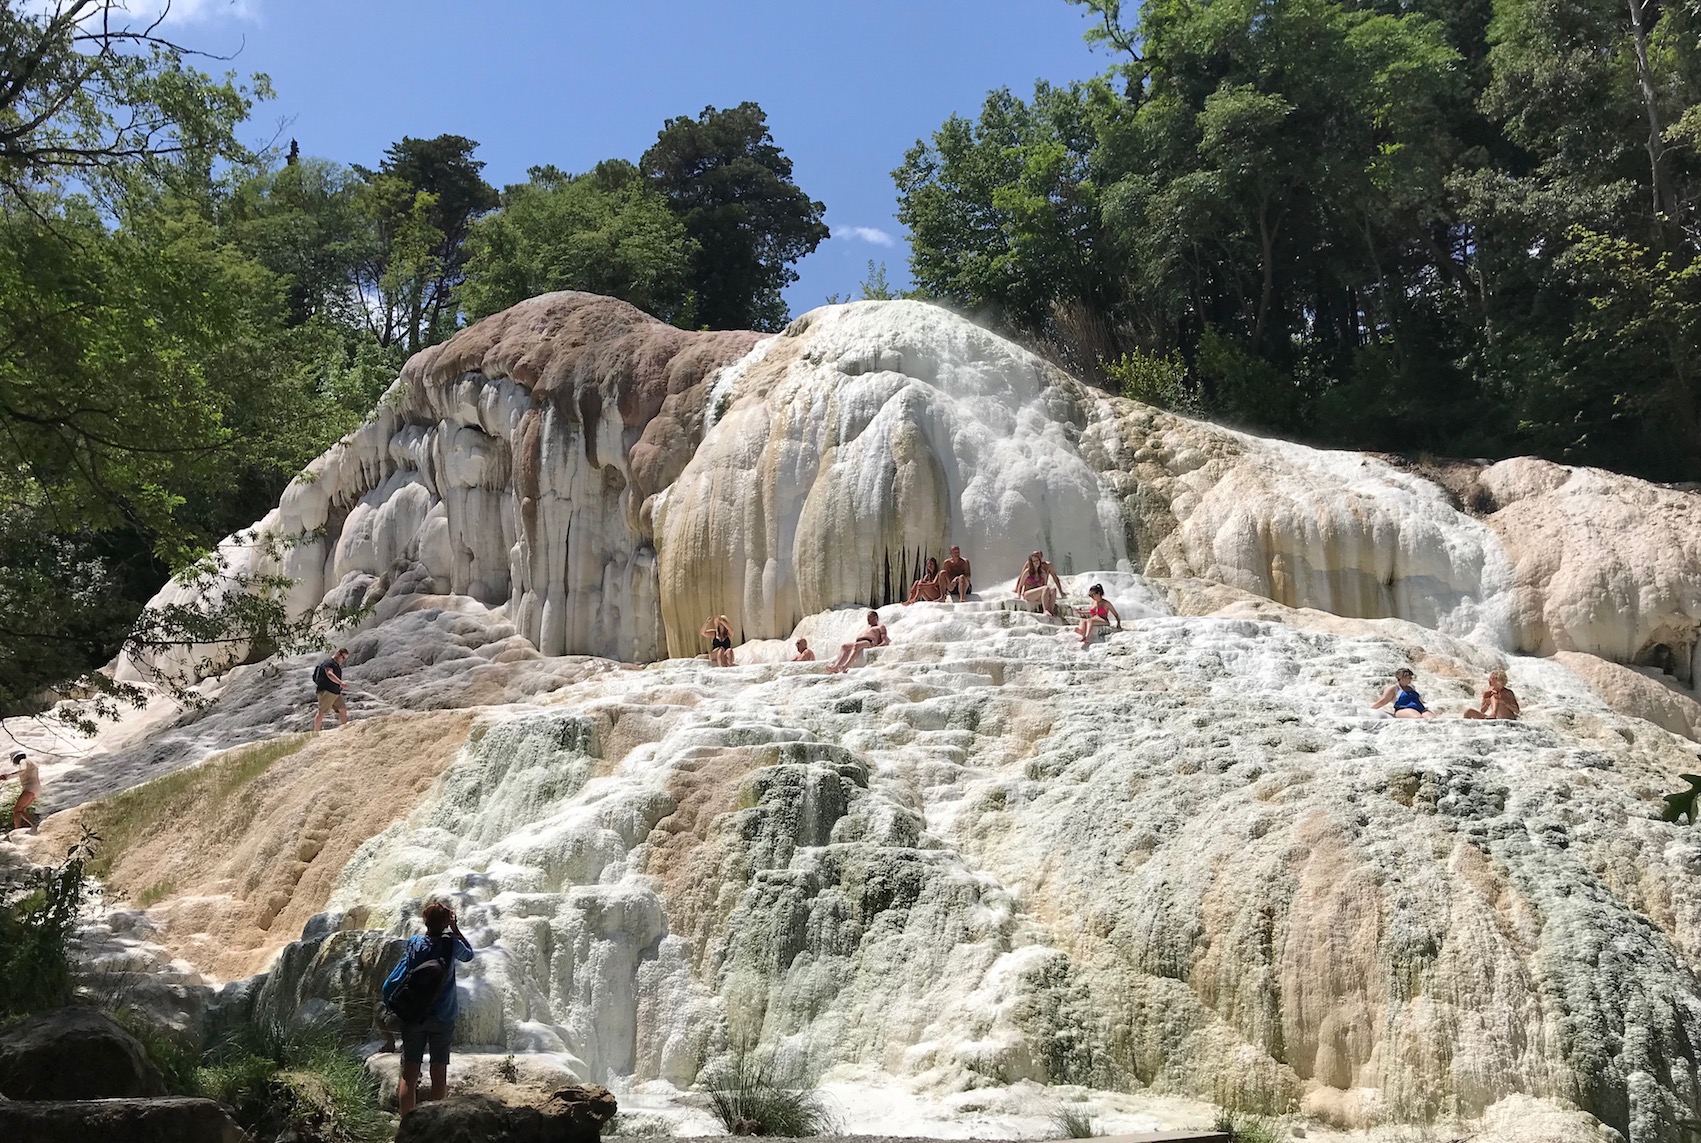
x,y
20,809
1045,598
407,1088
1088,627
847,652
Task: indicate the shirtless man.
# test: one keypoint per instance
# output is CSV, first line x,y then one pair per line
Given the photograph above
x,y
804,654
1497,701
954,575
874,635
31,773
1034,583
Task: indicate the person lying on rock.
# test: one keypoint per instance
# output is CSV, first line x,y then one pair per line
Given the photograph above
x,y
1098,615
421,993
804,654
1034,583
927,588
954,576
1497,700
874,635
1407,702
25,767
718,630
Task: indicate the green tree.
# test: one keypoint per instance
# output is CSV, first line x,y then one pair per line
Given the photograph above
x,y
420,205
604,232
725,178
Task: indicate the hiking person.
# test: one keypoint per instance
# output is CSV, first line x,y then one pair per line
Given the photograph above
x,y
954,576
25,767
1498,701
718,630
1034,583
1407,702
874,635
420,991
1097,615
328,687
804,654
928,588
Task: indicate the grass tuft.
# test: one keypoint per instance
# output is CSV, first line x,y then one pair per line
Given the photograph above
x,y
1075,1121
1247,1128
753,1095
295,1080
125,818
637,1125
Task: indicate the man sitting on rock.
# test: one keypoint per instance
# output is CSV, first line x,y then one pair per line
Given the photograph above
x,y
874,635
954,575
804,654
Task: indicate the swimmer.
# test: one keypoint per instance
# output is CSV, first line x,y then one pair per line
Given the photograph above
x,y
1404,696
928,588
874,635
804,654
1497,700
1034,583
1098,615
718,631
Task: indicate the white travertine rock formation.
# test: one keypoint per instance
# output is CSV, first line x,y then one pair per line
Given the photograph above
x,y
611,481
1182,863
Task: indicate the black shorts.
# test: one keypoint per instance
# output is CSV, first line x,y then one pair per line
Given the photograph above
x,y
434,1034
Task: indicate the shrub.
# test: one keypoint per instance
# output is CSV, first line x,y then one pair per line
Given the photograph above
x,y
752,1095
1154,380
1075,1121
295,1080
38,918
640,1126
1247,1128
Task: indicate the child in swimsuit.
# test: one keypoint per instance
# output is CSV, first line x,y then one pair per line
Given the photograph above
x,y
1407,702
1097,615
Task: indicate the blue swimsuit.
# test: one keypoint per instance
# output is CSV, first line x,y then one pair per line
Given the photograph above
x,y
1409,700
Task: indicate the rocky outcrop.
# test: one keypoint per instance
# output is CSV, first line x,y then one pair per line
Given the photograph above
x,y
573,1115
74,1053
118,1121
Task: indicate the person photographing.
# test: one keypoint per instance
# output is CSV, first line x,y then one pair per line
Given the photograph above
x,y
420,992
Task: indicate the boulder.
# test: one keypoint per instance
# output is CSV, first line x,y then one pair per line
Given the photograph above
x,y
74,1053
572,1115
118,1121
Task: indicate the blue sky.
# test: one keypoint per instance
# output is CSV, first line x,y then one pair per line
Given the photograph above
x,y
847,86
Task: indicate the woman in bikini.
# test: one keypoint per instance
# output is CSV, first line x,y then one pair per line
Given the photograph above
x,y
928,588
1407,702
718,631
1098,615
1034,583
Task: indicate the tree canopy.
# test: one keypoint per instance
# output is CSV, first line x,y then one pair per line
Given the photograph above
x,y
732,187
1445,225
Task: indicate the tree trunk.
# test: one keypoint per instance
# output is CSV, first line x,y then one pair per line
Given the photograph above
x,y
1665,200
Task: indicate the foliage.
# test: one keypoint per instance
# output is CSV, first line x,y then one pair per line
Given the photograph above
x,y
754,1089
1154,380
638,1125
296,1080
38,919
178,1063
127,817
731,186
1075,1121
1434,226
874,286
604,232
420,203
1247,1128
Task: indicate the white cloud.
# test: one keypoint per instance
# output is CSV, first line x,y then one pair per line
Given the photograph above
x,y
141,13
866,233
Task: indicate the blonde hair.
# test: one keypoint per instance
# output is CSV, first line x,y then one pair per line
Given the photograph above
x,y
1497,673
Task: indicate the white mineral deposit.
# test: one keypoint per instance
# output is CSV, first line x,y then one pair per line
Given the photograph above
x,y
986,871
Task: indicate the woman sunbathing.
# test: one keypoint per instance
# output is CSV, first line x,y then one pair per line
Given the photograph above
x,y
928,588
1097,615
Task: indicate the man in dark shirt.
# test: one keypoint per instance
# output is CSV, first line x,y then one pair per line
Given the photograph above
x,y
328,683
